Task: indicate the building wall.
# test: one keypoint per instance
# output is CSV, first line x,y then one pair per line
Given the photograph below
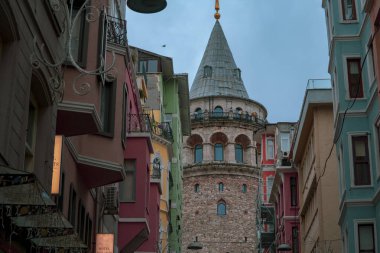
x,y
360,119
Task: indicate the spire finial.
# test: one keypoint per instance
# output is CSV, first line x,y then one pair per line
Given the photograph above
x,y
217,15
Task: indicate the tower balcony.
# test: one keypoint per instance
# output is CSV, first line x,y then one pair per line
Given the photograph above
x,y
211,118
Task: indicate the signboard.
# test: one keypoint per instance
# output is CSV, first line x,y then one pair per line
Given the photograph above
x,y
104,243
56,165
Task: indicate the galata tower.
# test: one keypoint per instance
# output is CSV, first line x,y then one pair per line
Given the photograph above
x,y
221,170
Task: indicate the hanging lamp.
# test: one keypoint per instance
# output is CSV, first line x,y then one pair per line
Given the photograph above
x,y
147,6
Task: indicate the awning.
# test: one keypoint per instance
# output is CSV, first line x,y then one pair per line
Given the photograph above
x,y
10,176
25,194
65,242
43,225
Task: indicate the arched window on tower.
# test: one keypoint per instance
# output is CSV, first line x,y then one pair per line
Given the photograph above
x,y
218,152
221,208
244,188
221,187
207,71
239,153
218,111
237,73
198,153
196,188
198,113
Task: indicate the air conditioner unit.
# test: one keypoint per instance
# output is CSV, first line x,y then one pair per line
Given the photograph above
x,y
111,204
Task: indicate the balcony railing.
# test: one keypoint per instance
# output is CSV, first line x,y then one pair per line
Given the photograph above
x,y
117,31
163,130
318,84
229,116
139,123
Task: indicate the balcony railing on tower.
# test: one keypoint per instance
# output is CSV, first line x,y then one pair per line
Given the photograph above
x,y
117,31
252,119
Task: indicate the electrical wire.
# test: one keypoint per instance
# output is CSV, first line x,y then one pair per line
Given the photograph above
x,y
348,107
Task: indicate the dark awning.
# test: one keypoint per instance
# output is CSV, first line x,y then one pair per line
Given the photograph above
x,y
25,194
65,242
10,176
43,225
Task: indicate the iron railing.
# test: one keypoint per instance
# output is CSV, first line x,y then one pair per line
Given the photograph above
x,y
230,116
139,123
117,31
163,129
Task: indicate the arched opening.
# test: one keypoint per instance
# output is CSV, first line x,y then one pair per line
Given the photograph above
x,y
218,112
221,209
196,188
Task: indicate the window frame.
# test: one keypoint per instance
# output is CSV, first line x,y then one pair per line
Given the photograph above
x,y
108,107
72,206
130,170
283,134
344,19
295,239
352,162
221,187
244,188
293,191
222,212
218,147
365,222
196,188
349,78
268,139
207,71
81,58
267,187
198,147
237,148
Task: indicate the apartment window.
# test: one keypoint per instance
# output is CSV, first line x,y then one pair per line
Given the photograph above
x,y
207,71
31,133
88,236
221,187
196,188
218,152
149,66
371,62
244,188
198,153
78,32
270,148
269,187
362,174
285,142
349,9
107,107
125,113
128,186
295,239
355,85
221,208
72,205
81,220
239,153
366,238
293,191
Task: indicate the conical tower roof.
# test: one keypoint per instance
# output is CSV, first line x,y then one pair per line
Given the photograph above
x,y
218,74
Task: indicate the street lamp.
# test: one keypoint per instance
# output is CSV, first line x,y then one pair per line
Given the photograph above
x,y
147,6
195,245
284,247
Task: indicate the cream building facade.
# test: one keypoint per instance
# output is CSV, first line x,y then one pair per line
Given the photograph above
x,y
317,173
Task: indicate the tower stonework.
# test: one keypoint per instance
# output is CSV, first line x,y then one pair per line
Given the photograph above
x,y
221,170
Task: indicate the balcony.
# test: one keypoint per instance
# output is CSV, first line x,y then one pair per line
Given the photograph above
x,y
315,84
139,123
117,31
217,117
163,130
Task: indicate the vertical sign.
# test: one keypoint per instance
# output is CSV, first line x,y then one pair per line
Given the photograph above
x,y
56,165
104,243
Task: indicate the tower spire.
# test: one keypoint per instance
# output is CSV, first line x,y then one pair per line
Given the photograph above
x,y
217,15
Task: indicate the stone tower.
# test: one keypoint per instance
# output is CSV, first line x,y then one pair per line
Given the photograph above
x,y
221,170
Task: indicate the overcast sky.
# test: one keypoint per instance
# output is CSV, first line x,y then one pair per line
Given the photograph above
x,y
277,44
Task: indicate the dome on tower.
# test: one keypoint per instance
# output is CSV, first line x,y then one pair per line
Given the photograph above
x,y
218,74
